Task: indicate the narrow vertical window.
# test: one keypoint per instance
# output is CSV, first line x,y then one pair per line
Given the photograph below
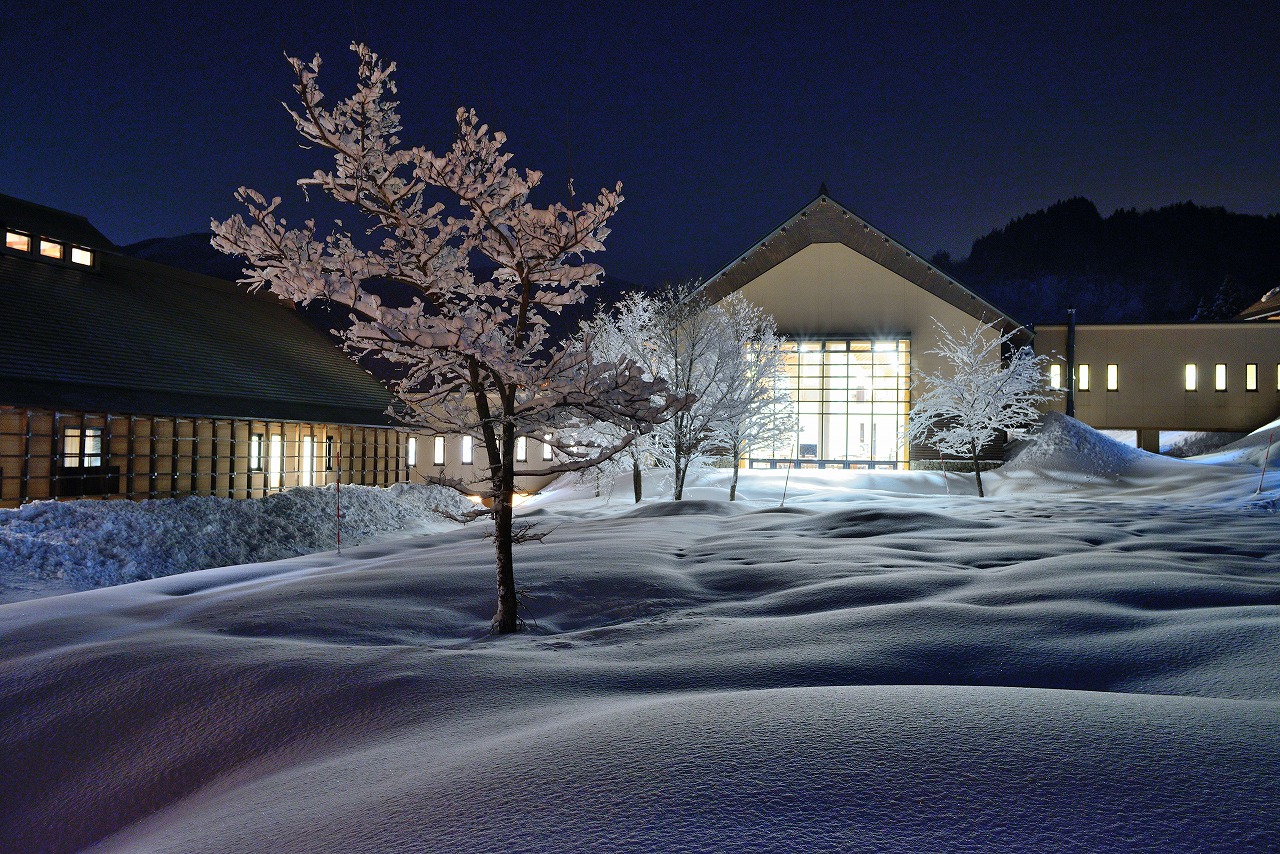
x,y
546,448
328,453
1113,377
1219,377
438,454
1190,382
1250,377
1082,381
275,461
1055,376
307,464
411,452
522,449
468,450
255,451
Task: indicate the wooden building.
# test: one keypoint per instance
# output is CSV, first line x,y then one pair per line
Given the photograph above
x,y
120,378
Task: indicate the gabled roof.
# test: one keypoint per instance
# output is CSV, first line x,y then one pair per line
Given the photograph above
x,y
1266,308
30,218
130,336
825,220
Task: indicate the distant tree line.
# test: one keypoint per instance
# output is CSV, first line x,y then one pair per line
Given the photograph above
x,y
1181,262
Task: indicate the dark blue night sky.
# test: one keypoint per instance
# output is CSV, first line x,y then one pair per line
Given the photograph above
x,y
935,122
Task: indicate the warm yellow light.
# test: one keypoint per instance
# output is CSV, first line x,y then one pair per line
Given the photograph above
x,y
17,241
50,248
1190,380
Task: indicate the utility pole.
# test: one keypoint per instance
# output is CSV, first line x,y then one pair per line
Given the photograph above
x,y
1071,363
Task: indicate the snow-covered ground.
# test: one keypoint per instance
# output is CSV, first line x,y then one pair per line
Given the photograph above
x,y
1085,661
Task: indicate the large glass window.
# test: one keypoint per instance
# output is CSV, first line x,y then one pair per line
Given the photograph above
x,y
17,241
850,399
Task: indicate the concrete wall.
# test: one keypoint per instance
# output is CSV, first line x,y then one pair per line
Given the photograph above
x,y
1151,360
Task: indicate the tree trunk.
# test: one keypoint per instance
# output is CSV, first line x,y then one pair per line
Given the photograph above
x,y
733,484
637,484
680,467
506,620
977,471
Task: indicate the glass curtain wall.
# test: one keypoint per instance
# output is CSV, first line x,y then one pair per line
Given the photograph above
x,y
851,399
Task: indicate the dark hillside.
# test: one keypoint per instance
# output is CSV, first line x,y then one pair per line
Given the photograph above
x,y
1180,262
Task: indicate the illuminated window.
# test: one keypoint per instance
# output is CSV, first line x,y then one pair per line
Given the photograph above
x,y
438,454
82,447
1082,378
411,452
546,449
50,248
17,241
1250,377
255,451
1219,377
275,462
468,450
1190,381
1113,377
307,463
81,256
1055,376
522,449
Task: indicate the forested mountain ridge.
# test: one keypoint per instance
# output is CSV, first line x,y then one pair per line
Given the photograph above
x,y
1177,263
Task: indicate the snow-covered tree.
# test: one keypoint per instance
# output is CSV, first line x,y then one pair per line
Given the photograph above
x,y
618,333
474,355
978,395
724,357
757,410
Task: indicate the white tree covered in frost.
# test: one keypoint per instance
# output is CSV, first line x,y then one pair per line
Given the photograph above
x,y
757,411
978,395
724,357
474,355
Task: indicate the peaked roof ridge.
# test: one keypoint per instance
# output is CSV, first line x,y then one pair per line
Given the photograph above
x,y
860,236
51,222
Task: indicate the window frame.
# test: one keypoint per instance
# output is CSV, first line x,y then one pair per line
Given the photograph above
x,y
10,233
1082,377
437,452
1191,376
80,457
468,451
1220,376
1251,376
257,451
411,452
1113,377
522,449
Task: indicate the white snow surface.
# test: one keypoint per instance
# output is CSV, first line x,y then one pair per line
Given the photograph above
x,y
1083,662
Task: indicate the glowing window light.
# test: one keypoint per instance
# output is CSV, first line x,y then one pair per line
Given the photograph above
x,y
468,450
438,452
81,256
50,248
17,241
1190,381
1055,376
1082,380
1250,377
411,451
522,449
1219,377
1113,377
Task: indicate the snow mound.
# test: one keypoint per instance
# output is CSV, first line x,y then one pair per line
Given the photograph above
x,y
88,544
1066,446
1251,450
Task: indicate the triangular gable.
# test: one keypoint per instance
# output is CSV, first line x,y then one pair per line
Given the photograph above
x,y
826,221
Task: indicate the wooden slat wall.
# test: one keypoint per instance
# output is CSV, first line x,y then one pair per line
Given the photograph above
x,y
164,457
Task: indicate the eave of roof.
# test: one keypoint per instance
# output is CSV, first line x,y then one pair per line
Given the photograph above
x,y
825,220
134,336
32,218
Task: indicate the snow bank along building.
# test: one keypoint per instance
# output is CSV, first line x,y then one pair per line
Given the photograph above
x,y
860,309
124,378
